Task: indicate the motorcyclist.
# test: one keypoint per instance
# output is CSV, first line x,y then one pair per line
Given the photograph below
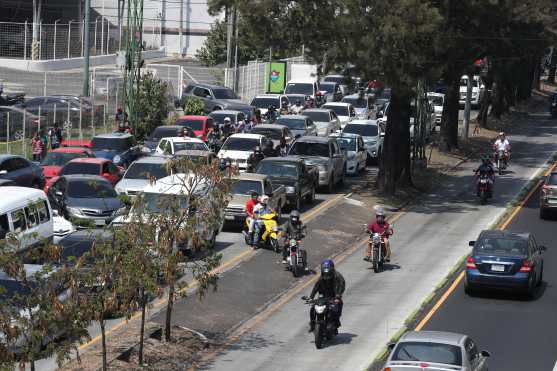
x,y
282,148
293,228
502,144
384,229
250,205
268,150
262,208
255,158
271,114
486,168
330,285
297,108
284,110
227,128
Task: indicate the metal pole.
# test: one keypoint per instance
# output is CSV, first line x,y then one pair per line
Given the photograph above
x,y
44,85
181,31
467,106
102,29
24,141
93,107
69,121
39,125
106,105
25,42
236,79
55,25
86,41
40,43
8,134
95,35
229,31
54,112
80,117
69,37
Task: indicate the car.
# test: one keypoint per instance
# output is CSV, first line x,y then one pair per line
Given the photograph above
x,y
309,88
152,141
371,134
553,105
299,125
353,146
475,99
215,97
57,158
274,132
219,116
548,196
241,188
91,166
58,108
383,114
325,153
201,125
140,173
120,148
299,180
341,80
331,91
264,101
504,260
362,103
22,171
86,143
85,198
325,120
239,147
61,227
344,111
436,350
11,123
169,146
437,100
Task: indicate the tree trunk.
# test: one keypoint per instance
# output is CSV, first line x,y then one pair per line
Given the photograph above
x,y
32,364
536,81
142,330
552,66
103,337
451,108
169,312
498,106
485,103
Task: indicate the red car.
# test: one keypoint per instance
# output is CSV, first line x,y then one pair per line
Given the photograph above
x,y
90,166
201,125
57,158
76,143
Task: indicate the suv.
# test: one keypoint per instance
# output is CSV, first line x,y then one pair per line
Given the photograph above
x,y
121,148
215,97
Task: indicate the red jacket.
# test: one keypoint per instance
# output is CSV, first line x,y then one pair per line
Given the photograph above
x,y
249,207
383,229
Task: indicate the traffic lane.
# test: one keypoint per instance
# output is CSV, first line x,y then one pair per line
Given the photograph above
x,y
521,334
251,286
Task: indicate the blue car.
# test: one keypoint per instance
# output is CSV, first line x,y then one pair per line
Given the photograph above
x,y
504,260
120,148
21,171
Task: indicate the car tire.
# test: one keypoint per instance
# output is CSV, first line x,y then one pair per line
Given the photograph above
x,y
543,213
298,204
531,290
540,278
468,290
343,177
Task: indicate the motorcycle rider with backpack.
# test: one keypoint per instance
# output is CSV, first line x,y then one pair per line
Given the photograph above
x,y
330,285
293,228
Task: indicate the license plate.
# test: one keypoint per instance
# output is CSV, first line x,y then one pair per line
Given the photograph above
x,y
229,217
498,268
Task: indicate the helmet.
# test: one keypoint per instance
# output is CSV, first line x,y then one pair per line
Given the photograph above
x,y
380,214
485,159
295,216
227,119
327,269
298,101
254,194
264,199
501,134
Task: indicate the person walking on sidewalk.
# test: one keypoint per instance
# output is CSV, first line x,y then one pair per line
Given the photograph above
x,y
37,147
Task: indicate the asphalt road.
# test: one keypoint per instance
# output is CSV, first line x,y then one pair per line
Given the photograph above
x,y
521,334
429,238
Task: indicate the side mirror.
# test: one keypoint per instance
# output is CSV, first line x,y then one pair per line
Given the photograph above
x,y
379,115
391,346
485,353
471,243
382,135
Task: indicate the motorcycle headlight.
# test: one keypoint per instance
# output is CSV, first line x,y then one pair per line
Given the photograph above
x,y
117,159
290,189
320,309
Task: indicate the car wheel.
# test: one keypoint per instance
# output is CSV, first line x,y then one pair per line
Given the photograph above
x,y
468,290
531,288
540,278
343,177
543,213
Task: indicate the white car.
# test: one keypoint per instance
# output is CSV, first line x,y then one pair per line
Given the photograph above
x,y
354,147
171,145
437,100
61,227
325,120
262,102
239,147
475,99
307,87
344,111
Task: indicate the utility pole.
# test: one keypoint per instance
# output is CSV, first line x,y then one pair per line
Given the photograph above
x,y
229,33
181,31
134,60
236,77
86,48
467,106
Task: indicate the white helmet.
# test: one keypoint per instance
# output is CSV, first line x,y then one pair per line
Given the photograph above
x,y
264,199
227,119
379,211
501,134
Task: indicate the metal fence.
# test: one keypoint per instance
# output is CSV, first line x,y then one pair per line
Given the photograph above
x,y
65,40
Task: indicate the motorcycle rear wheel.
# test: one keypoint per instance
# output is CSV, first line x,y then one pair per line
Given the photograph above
x,y
295,268
483,197
318,337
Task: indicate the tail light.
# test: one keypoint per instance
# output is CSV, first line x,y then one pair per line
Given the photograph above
x,y
526,266
387,369
470,263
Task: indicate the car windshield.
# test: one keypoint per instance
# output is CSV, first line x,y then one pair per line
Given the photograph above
x,y
190,146
338,79
240,144
328,87
317,116
356,102
347,144
552,179
245,187
157,202
90,189
501,246
309,149
142,170
436,101
110,144
194,124
295,124
428,352
369,130
162,132
299,88
60,158
81,168
224,94
339,110
277,169
264,102
269,133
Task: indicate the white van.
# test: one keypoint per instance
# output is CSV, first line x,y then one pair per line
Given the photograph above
x,y
25,213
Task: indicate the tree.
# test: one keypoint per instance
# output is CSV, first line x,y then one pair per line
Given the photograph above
x,y
192,105
153,104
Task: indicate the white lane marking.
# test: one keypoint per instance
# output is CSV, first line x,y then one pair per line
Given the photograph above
x,y
555,367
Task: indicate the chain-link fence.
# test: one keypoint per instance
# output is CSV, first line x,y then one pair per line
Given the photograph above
x,y
65,40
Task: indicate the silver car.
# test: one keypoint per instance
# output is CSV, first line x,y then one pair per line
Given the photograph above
x,y
140,172
325,120
435,350
371,134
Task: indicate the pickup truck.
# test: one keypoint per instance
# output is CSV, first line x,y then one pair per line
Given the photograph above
x,y
326,155
300,180
242,187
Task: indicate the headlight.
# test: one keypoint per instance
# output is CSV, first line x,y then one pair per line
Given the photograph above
x,y
351,156
320,308
290,190
74,210
117,159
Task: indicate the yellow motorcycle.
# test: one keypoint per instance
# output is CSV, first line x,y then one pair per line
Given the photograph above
x,y
267,232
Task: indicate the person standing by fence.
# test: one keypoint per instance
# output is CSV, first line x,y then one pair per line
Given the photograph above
x,y
37,147
55,136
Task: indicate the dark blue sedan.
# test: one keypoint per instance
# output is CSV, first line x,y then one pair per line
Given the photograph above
x,y
504,260
21,171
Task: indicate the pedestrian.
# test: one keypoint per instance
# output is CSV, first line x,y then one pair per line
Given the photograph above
x,y
44,140
55,136
37,147
119,119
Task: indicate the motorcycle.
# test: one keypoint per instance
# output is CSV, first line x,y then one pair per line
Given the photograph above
x,y
377,251
266,232
501,160
325,324
483,188
297,257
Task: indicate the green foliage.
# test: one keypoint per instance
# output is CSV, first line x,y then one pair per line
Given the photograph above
x,y
153,105
192,105
213,51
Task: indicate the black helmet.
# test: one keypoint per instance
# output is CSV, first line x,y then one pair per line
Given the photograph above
x,y
486,160
254,194
327,269
298,102
295,216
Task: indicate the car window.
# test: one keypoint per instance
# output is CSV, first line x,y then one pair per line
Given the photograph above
x,y
10,165
268,188
428,352
209,124
471,350
334,115
43,212
189,88
18,220
501,246
201,92
4,226
31,216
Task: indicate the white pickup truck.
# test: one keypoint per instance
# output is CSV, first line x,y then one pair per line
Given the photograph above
x,y
476,84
